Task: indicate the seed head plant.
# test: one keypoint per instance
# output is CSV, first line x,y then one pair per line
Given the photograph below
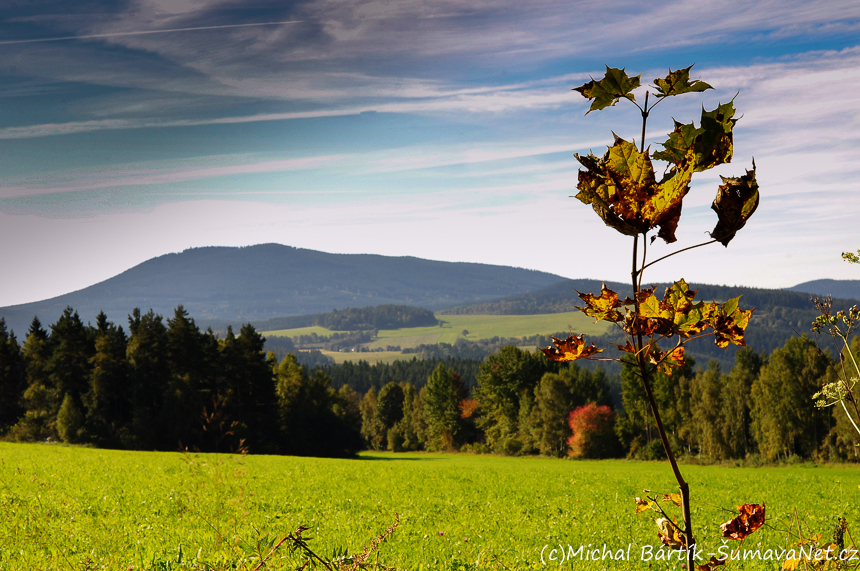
x,y
625,192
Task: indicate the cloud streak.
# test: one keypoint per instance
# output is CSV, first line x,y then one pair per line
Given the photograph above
x,y
142,33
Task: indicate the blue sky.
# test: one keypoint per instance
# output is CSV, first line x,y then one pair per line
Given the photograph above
x,y
443,130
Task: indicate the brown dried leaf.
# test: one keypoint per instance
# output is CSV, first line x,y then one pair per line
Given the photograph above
x,y
750,519
737,200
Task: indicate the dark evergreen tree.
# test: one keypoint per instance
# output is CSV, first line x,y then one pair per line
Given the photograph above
x,y
12,380
389,405
108,402
250,389
309,422
153,408
41,401
441,410
69,368
507,378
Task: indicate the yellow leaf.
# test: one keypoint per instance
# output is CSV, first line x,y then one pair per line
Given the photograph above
x,y
570,349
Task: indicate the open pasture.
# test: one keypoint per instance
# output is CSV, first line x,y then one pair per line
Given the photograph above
x,y
478,327
78,508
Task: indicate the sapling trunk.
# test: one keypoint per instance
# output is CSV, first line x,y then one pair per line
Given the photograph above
x,y
636,278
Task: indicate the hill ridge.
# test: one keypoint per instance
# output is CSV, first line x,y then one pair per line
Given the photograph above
x,y
252,283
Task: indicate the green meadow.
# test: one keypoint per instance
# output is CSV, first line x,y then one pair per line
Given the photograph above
x,y
79,508
478,327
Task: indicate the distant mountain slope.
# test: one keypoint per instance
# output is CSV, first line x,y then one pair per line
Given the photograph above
x,y
779,314
846,289
270,280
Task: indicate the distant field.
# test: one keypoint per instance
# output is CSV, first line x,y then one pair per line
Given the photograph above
x,y
78,508
371,357
478,326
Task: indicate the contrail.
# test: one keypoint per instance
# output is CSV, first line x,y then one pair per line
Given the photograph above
x,y
6,43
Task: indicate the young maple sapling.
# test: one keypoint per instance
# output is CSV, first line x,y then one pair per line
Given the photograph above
x,y
623,189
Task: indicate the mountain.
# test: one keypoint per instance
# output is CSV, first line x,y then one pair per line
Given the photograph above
x,y
846,289
221,284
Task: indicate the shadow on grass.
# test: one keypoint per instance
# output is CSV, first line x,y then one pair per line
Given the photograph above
x,y
393,457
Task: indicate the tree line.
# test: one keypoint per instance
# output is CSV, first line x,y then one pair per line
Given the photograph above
x,y
167,384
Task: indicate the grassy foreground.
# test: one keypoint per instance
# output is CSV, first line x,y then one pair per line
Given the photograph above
x,y
76,508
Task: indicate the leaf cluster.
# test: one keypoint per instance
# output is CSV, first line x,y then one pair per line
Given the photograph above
x,y
675,315
622,186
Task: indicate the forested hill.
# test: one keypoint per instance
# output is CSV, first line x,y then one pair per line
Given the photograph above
x,y
778,316
845,289
356,319
270,280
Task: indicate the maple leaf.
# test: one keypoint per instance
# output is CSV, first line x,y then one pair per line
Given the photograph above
x,y
737,199
622,189
570,349
728,321
606,92
674,498
750,519
642,505
665,362
603,306
704,147
678,82
670,535
675,314
717,143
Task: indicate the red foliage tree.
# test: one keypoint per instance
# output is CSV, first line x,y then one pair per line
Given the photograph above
x,y
593,432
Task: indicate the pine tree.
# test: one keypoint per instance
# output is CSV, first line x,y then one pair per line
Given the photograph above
x,y
441,411
12,379
108,402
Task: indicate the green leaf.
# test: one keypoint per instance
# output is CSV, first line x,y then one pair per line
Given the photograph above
x,y
678,82
702,147
716,145
679,145
606,92
737,200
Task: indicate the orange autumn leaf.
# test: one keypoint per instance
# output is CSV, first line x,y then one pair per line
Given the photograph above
x,y
667,361
570,349
750,519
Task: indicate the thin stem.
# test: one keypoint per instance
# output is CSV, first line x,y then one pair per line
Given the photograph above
x,y
644,257
678,252
644,120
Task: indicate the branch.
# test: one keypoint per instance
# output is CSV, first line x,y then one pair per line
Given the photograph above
x,y
678,252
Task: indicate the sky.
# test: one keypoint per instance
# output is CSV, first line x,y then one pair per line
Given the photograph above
x,y
440,129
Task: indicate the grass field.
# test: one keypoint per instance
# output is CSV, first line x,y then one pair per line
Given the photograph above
x,y
75,508
478,326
